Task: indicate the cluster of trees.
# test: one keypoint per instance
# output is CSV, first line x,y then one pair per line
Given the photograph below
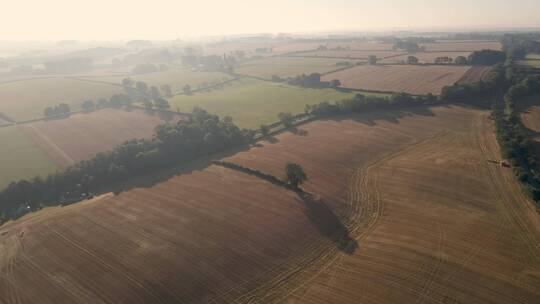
x,y
412,60
88,105
516,46
360,103
203,134
495,85
344,64
514,138
460,60
486,57
145,68
225,63
312,80
150,97
409,45
58,110
444,60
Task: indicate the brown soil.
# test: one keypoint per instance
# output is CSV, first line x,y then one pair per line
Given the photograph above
x,y
426,219
411,79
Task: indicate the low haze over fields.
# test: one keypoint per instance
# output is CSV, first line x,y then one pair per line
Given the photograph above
x,y
250,152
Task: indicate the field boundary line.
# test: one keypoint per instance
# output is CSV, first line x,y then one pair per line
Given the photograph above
x,y
48,142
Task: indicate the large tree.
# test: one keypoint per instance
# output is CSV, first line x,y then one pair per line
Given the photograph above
x,y
294,174
286,119
166,90
187,89
162,104
412,60
88,105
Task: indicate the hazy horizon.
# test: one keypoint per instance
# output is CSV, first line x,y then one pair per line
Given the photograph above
x,y
168,19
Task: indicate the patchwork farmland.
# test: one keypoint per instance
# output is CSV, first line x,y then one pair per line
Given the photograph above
x,y
176,78
405,199
411,79
428,219
26,99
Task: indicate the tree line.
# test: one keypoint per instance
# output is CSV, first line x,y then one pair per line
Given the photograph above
x,y
57,110
202,134
514,138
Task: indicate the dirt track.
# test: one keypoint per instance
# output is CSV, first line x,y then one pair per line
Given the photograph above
x,y
430,220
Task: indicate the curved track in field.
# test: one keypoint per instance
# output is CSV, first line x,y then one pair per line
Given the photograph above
x,y
428,219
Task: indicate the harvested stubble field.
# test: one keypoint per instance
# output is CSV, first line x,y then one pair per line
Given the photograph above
x,y
413,79
475,74
288,66
461,46
436,222
26,99
81,136
425,57
432,219
351,54
20,158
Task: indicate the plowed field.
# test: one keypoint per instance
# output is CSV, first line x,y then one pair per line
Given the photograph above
x,y
411,79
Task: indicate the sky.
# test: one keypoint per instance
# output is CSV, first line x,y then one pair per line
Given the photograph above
x,y
23,20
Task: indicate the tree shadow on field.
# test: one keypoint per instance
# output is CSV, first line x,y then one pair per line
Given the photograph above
x,y
153,178
327,222
372,117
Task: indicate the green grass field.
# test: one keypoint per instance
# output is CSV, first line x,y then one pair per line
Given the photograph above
x,y
175,78
26,99
20,158
288,66
533,56
252,102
